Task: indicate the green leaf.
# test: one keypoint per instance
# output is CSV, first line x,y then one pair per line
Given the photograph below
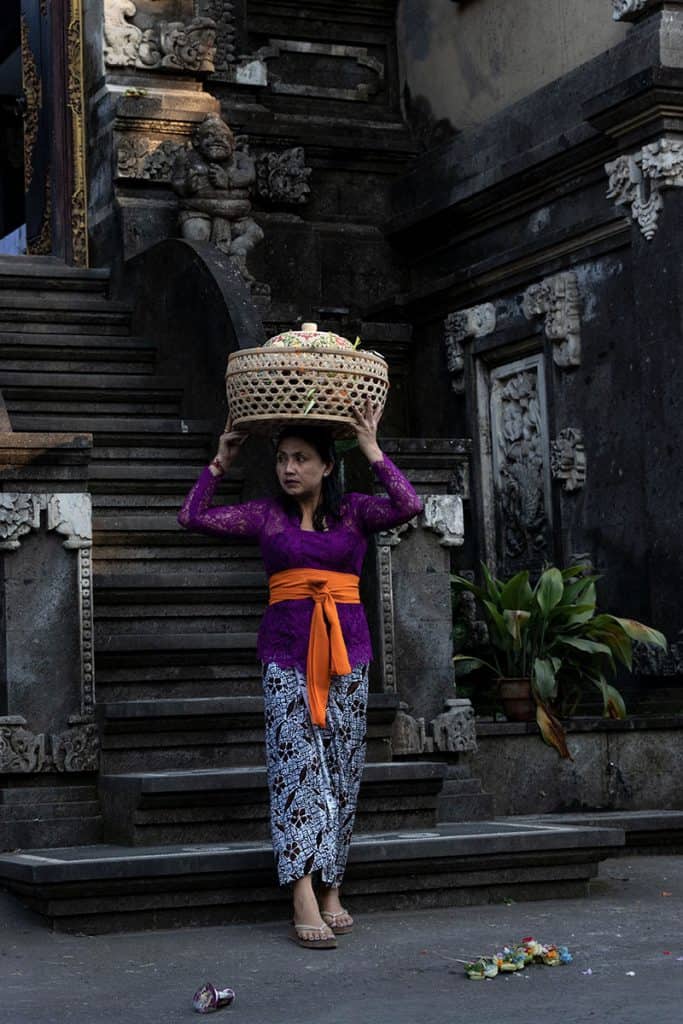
x,y
574,570
587,646
515,622
643,634
517,594
492,585
549,590
543,679
615,707
572,614
460,583
499,633
605,630
465,663
580,591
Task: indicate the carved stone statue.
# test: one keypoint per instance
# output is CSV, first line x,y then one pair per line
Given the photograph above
x,y
214,181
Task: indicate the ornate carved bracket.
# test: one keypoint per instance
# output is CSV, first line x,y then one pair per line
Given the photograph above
x,y
558,299
19,514
283,177
172,45
627,9
637,180
568,459
476,322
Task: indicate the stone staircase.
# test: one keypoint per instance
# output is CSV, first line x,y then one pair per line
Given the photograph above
x,y
178,687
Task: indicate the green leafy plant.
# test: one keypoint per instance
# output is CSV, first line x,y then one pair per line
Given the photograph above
x,y
553,635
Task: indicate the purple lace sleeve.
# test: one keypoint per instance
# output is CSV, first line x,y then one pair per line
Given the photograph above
x,y
401,504
241,520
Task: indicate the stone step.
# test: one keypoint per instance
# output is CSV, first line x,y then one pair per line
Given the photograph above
x,y
55,313
50,831
44,300
232,803
206,732
66,353
89,387
105,426
204,554
190,450
199,648
130,590
653,832
47,794
111,888
44,273
123,683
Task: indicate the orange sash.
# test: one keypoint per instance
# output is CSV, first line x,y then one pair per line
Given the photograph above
x,y
327,654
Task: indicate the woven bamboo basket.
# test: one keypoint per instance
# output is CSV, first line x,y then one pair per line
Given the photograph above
x,y
307,376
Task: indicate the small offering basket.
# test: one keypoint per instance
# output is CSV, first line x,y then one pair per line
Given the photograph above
x,y
307,376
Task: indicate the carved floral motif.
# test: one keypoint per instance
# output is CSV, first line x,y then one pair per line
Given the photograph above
x,y
283,177
23,752
558,299
568,459
627,8
636,181
19,513
476,322
175,45
455,731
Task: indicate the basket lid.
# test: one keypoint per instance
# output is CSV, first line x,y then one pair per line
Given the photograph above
x,y
308,337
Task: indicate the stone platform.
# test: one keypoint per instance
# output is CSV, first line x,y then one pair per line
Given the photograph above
x,y
108,888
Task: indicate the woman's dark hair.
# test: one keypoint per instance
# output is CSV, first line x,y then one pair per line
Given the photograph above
x,y
329,506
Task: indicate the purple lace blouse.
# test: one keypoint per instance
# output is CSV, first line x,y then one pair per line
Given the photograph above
x,y
283,634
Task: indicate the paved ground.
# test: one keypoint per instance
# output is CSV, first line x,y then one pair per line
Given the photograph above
x,y
388,972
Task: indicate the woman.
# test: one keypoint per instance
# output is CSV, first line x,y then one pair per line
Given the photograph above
x,y
314,645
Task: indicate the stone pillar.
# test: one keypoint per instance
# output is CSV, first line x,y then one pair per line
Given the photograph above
x,y
47,688
413,584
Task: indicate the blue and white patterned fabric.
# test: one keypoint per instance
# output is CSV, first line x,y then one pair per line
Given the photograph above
x,y
313,774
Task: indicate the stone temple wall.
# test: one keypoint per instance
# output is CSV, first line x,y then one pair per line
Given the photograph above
x,y
544,247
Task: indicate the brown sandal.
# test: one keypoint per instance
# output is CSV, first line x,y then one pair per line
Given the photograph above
x,y
324,942
330,920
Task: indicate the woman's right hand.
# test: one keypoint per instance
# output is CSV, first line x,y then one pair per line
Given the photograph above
x,y
229,444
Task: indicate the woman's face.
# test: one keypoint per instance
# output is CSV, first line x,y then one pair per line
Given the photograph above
x,y
300,469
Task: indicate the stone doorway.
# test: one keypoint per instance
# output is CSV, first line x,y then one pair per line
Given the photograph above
x,y
42,158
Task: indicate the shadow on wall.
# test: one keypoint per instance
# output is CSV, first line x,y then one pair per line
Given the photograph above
x,y
427,130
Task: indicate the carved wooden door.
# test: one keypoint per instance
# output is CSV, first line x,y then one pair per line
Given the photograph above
x,y
42,170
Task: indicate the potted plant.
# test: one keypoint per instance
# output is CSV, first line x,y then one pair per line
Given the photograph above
x,y
549,641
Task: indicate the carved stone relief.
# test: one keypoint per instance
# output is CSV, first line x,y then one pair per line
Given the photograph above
x,y
476,322
283,177
557,298
214,180
454,731
443,514
171,45
519,521
223,14
568,459
280,79
147,159
624,9
19,514
76,747
637,180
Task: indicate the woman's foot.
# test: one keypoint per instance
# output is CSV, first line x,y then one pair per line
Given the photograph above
x,y
309,926
332,912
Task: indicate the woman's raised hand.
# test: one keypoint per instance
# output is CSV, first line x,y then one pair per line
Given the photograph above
x,y
366,430
229,444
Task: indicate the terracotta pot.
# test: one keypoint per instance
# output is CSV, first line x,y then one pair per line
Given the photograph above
x,y
518,703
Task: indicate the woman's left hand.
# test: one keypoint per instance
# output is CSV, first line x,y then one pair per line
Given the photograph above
x,y
366,430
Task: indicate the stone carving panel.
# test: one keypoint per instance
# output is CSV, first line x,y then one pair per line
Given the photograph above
x,y
147,159
568,459
282,178
169,45
214,180
476,322
76,747
636,181
519,463
223,14
291,73
557,298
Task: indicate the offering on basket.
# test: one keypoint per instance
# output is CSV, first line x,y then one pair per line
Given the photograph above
x,y
307,376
